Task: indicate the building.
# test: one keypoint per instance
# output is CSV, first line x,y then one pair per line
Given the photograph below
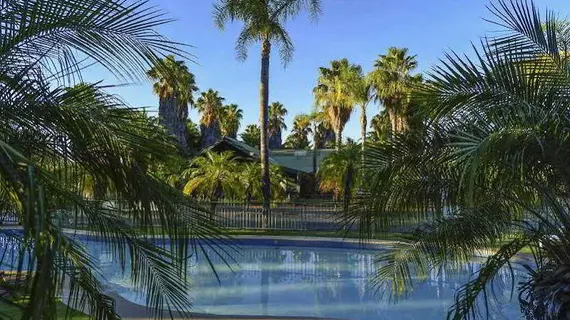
x,y
299,165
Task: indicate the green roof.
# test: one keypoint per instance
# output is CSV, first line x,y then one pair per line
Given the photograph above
x,y
293,160
299,160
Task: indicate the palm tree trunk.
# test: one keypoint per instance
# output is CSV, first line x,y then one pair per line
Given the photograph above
x,y
173,115
338,133
264,119
393,122
347,190
363,124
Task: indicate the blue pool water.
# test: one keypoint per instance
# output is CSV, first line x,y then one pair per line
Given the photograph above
x,y
307,281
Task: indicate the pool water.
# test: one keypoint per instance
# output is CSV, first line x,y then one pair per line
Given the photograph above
x,y
306,281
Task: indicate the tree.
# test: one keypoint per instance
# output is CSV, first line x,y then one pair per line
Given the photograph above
x,y
230,118
213,176
393,83
380,125
299,137
251,135
252,187
175,86
264,21
52,136
338,173
210,105
335,94
489,169
277,113
194,136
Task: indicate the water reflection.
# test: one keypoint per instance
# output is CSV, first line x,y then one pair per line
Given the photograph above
x,y
307,282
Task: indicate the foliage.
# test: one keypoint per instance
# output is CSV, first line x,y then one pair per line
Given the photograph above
x,y
393,84
49,136
336,94
263,20
173,79
338,172
490,162
213,176
210,105
380,125
251,184
277,113
230,117
299,137
175,86
251,135
193,137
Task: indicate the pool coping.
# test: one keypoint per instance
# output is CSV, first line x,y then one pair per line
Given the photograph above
x,y
264,240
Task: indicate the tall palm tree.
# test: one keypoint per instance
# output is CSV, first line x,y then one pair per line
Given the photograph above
x,y
489,171
230,118
50,136
175,86
210,105
276,124
264,22
335,94
393,82
251,135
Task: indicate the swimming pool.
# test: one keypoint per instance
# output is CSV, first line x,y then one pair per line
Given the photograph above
x,y
281,280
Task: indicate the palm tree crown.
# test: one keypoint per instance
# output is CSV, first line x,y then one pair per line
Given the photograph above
x,y
336,93
263,21
210,105
230,118
393,82
299,137
173,79
276,124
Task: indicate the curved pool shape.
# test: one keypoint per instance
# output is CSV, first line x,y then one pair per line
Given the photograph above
x,y
308,281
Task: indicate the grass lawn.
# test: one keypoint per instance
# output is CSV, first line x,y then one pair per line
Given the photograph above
x,y
11,312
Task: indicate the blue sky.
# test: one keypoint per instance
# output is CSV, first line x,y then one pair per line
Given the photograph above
x,y
359,30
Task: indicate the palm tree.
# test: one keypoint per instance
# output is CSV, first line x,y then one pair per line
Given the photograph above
x,y
380,125
299,137
264,21
230,118
335,94
251,135
338,173
210,105
276,124
489,170
50,136
174,86
252,187
213,176
393,83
